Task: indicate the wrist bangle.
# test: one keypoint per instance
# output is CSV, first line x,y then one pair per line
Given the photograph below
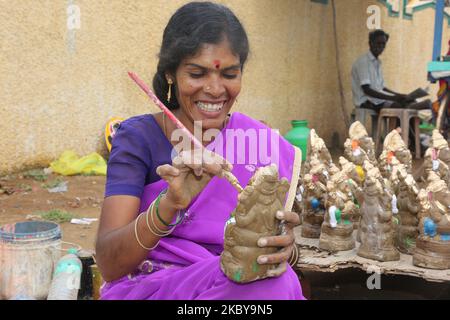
x,y
180,216
294,257
162,233
137,237
158,232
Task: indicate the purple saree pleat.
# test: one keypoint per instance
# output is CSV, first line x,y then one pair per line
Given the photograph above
x,y
186,265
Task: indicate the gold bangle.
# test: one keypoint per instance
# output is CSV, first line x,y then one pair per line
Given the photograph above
x,y
148,224
165,233
294,257
158,232
137,237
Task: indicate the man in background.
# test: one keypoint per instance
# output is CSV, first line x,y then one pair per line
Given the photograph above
x,y
368,86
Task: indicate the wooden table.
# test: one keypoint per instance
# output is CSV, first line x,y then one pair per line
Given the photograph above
x,y
314,259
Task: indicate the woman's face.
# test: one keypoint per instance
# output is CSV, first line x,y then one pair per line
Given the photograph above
x,y
208,84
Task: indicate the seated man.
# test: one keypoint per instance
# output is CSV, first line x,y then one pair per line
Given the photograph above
x,y
369,90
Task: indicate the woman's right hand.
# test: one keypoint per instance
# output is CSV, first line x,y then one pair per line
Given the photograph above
x,y
189,173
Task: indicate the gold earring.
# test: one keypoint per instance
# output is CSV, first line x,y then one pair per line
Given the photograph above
x,y
169,93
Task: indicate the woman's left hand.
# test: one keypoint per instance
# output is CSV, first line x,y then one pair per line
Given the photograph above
x,y
286,242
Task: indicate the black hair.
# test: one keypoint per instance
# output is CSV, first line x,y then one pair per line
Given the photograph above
x,y
193,25
377,33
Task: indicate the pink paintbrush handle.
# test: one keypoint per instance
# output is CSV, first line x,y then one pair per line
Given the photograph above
x,y
164,109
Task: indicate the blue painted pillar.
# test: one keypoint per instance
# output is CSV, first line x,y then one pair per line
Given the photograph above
x,y
438,26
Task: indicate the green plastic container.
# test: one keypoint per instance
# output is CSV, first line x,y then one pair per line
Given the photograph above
x,y
426,127
298,135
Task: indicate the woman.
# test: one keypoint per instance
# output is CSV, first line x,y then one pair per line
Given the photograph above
x,y
144,256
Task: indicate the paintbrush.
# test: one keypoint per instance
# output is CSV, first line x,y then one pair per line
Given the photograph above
x,y
227,174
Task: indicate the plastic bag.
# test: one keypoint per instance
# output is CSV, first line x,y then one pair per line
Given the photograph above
x,y
70,164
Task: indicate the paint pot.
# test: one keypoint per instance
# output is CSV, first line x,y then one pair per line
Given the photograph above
x,y
28,255
97,281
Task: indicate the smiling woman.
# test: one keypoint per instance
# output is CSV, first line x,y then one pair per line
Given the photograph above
x,y
207,93
203,55
161,230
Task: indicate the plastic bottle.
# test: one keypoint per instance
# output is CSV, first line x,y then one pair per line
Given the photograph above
x,y
66,278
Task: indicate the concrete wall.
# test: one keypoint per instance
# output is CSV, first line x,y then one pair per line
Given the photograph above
x,y
58,87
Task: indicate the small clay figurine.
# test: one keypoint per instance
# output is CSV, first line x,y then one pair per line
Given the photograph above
x,y
356,178
408,208
377,227
437,158
387,196
391,175
396,165
254,218
317,170
360,146
337,228
354,172
316,150
394,146
315,193
433,243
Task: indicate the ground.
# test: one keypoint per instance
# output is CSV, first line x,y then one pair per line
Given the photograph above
x,y
24,196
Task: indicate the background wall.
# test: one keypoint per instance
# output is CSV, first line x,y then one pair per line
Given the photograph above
x,y
58,87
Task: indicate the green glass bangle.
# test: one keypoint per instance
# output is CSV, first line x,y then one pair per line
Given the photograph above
x,y
180,216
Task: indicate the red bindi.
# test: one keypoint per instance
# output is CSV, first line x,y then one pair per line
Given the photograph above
x,y
217,64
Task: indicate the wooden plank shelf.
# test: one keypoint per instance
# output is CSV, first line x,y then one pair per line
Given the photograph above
x,y
314,259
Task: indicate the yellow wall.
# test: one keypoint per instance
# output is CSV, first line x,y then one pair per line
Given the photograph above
x,y
59,87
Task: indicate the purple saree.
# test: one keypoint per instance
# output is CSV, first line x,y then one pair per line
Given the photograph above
x,y
186,264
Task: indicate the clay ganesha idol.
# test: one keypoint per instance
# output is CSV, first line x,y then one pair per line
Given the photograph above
x,y
313,204
317,170
337,228
408,208
377,228
437,158
253,218
433,244
359,147
394,146
317,150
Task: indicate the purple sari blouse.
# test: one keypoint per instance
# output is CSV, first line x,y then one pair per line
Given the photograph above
x,y
186,264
